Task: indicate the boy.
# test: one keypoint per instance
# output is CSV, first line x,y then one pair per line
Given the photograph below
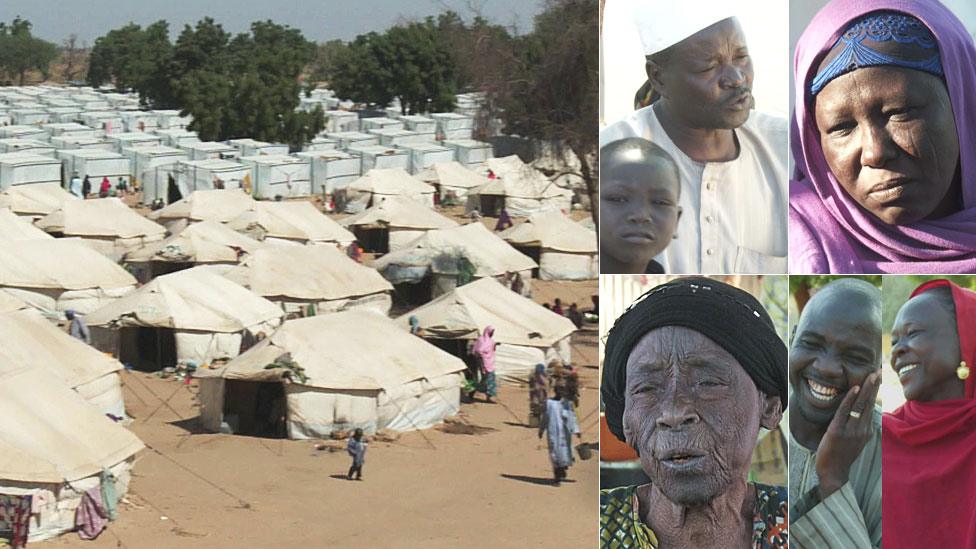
x,y
639,211
357,449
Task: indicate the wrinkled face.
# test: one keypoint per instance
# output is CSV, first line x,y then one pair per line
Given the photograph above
x,y
889,137
925,350
836,346
691,412
707,77
638,208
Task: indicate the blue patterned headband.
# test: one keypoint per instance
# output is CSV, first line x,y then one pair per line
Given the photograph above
x,y
879,27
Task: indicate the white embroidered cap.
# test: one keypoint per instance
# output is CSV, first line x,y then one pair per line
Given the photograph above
x,y
664,23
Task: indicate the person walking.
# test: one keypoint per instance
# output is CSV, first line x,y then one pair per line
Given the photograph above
x,y
357,450
559,424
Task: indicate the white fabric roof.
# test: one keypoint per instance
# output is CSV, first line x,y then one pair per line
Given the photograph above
x,y
193,299
35,199
398,212
349,350
10,303
453,174
48,433
216,204
293,220
316,272
552,230
13,227
59,264
490,254
517,179
108,217
203,242
390,181
466,311
30,339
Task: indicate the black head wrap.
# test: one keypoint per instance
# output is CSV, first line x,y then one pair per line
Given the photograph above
x,y
730,317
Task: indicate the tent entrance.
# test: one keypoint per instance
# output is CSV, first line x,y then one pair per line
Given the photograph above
x,y
491,204
160,268
535,252
256,409
374,240
414,294
147,349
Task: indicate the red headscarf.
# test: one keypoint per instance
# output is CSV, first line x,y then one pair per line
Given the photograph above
x,y
928,464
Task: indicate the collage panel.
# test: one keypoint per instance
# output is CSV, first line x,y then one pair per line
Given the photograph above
x,y
882,137
834,436
694,383
693,137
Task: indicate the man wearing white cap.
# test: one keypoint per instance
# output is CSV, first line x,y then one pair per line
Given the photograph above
x,y
731,159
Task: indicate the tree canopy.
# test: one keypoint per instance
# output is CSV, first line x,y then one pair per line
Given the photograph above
x,y
22,52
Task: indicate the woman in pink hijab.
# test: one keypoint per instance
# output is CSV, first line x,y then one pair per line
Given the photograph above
x,y
484,349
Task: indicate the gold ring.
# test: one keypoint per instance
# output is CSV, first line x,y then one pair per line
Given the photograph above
x,y
855,415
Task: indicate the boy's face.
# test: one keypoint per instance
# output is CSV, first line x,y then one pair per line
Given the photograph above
x,y
638,207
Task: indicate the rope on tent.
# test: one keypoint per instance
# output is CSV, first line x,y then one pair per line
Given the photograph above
x,y
164,402
414,425
243,504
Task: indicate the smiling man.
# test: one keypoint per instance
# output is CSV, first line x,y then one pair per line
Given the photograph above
x,y
731,159
835,426
692,371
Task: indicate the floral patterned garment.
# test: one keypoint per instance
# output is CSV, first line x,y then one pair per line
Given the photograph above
x,y
621,526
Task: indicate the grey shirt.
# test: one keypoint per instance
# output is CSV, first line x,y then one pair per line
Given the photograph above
x,y
850,518
79,330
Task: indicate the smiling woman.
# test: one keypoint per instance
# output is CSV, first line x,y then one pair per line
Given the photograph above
x,y
881,140
693,369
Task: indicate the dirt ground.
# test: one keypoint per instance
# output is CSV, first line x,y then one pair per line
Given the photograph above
x,y
429,488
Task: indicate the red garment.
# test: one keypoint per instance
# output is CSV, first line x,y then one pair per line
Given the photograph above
x,y
106,186
15,513
928,463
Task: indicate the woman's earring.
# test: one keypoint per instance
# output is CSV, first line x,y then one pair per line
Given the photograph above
x,y
962,372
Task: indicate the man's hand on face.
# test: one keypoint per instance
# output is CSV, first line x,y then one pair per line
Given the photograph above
x,y
847,435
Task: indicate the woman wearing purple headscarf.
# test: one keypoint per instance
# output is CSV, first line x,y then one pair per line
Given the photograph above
x,y
883,140
484,349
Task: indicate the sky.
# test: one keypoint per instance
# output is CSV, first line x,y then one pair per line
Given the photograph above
x,y
55,20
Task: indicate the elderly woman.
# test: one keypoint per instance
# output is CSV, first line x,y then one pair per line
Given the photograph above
x,y
927,474
883,141
692,371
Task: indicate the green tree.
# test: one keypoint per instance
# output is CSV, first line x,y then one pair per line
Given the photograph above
x,y
133,58
324,63
21,52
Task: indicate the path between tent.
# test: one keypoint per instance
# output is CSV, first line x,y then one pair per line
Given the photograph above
x,y
222,491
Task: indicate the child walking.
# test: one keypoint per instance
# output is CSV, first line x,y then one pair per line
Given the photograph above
x,y
357,449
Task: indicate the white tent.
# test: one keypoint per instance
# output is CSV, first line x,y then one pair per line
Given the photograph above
x,y
10,303
13,227
379,184
198,175
564,249
526,332
60,274
278,175
394,223
199,243
28,169
362,371
35,201
215,205
438,254
194,315
33,340
295,221
107,224
523,189
320,275
452,178
54,445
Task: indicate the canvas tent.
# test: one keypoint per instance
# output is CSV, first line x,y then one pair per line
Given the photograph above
x,y
13,227
56,275
215,205
35,201
394,223
10,303
434,261
452,179
188,315
526,332
206,242
294,221
564,249
519,188
352,381
379,184
35,341
54,446
319,275
107,224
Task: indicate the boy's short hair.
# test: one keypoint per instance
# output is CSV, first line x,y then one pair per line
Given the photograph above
x,y
647,148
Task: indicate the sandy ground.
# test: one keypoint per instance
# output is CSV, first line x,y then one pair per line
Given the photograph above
x,y
429,488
